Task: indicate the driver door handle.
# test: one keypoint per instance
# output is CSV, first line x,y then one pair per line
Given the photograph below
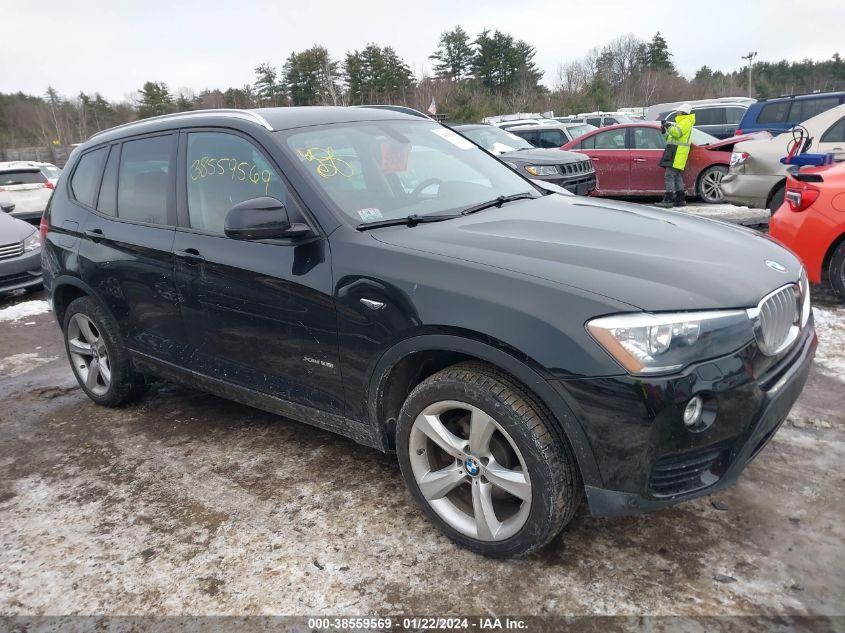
x,y
191,255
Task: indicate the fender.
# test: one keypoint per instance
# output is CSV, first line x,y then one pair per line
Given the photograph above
x,y
561,411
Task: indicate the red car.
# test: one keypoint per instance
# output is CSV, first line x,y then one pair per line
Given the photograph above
x,y
811,222
626,159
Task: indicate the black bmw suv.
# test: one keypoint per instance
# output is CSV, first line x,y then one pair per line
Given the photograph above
x,y
378,275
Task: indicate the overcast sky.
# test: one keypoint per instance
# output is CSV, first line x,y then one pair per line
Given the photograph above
x,y
115,46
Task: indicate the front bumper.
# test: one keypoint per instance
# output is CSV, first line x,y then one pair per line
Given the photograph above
x,y
20,272
648,459
580,185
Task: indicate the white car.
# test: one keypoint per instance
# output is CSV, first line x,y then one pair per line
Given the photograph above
x,y
25,185
757,177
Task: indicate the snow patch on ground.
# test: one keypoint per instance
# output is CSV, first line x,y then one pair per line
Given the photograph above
x,y
24,309
18,364
830,325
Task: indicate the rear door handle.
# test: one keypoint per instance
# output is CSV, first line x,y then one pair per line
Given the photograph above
x,y
639,160
191,255
95,235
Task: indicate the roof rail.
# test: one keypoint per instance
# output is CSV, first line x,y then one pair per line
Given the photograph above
x,y
226,112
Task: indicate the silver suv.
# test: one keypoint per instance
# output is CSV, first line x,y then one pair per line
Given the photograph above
x,y
26,187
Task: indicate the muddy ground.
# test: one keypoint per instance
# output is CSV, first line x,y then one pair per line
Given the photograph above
x,y
188,504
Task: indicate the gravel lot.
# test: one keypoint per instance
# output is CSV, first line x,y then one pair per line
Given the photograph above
x,y
188,504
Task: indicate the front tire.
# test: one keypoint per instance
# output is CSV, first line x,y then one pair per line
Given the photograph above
x,y
485,461
710,184
836,272
97,355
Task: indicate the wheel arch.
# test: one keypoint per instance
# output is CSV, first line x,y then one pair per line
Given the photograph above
x,y
701,174
66,289
413,359
829,254
780,184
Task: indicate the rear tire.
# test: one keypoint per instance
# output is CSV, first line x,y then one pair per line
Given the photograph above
x,y
777,198
836,272
710,184
97,355
509,494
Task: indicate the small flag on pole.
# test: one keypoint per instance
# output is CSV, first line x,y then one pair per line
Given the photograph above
x,y
432,109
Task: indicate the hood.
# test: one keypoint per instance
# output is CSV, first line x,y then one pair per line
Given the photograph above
x,y
13,229
653,260
544,156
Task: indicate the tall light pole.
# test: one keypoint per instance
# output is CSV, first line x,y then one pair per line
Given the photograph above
x,y
750,57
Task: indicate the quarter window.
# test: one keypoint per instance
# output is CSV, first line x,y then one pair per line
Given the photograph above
x,y
86,176
144,179
223,170
734,115
776,112
107,200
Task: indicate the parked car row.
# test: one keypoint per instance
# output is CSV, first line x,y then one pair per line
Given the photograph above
x,y
757,176
379,275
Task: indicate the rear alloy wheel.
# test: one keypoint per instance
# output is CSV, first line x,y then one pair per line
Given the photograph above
x,y
484,460
836,272
710,184
97,355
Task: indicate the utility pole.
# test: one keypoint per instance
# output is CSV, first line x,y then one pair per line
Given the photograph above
x,y
750,57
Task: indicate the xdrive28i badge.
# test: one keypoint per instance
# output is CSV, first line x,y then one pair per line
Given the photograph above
x,y
776,266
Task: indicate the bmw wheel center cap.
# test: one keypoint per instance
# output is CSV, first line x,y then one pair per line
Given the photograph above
x,y
472,466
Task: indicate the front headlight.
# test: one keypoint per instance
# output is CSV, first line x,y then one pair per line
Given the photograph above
x,y
646,343
541,170
32,243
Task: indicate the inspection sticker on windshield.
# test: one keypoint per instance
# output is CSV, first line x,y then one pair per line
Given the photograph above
x,y
455,139
369,214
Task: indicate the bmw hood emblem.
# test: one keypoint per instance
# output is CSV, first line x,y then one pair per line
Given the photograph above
x,y
776,266
472,466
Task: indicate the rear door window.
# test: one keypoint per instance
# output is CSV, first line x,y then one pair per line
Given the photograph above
x,y
803,109
144,179
594,121
835,133
709,116
734,115
532,136
777,112
86,176
552,138
648,138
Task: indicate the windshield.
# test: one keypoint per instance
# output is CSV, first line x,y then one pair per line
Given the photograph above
x,y
580,130
496,140
702,138
383,170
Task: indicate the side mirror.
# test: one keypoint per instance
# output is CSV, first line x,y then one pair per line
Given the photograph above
x,y
8,207
261,219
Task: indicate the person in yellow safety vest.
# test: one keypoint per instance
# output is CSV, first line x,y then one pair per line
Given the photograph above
x,y
674,159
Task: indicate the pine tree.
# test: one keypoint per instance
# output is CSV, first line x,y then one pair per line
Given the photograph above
x,y
454,55
659,57
155,100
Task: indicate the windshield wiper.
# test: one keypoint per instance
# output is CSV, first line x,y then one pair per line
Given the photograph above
x,y
498,202
411,220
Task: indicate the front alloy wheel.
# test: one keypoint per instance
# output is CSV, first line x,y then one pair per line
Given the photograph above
x,y
470,471
486,461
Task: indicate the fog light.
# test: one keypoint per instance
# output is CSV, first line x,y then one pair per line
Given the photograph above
x,y
692,412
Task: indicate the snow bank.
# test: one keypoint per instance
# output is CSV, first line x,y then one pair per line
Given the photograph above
x,y
830,356
24,309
